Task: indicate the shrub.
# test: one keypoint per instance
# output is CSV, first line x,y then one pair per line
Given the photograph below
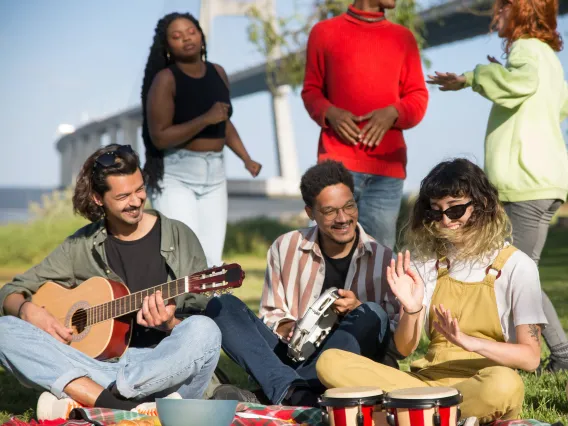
x,y
253,236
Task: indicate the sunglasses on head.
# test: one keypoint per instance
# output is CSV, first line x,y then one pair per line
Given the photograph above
x,y
453,213
109,158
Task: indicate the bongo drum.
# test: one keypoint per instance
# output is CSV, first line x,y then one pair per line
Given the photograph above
x,y
354,406
431,406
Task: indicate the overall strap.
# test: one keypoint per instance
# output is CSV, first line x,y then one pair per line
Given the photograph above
x,y
498,264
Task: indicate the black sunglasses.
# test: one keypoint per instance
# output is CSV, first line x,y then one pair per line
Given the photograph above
x,y
109,158
453,213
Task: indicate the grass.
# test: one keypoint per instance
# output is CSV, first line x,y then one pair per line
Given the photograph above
x,y
545,397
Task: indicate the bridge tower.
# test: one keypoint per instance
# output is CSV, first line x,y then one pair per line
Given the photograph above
x,y
287,158
76,146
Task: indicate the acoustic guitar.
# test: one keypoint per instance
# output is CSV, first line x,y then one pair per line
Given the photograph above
x,y
96,309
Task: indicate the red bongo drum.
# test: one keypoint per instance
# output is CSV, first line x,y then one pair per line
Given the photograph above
x,y
354,406
432,406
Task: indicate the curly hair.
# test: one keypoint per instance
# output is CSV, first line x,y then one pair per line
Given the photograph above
x,y
487,229
92,179
529,19
322,175
157,61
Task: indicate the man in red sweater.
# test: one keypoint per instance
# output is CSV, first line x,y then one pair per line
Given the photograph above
x,y
364,85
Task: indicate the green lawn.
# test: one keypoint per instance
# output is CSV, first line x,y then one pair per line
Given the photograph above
x,y
545,395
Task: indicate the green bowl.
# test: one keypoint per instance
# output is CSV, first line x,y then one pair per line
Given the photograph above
x,y
195,412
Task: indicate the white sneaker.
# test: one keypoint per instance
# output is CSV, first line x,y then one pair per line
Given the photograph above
x,y
150,408
49,407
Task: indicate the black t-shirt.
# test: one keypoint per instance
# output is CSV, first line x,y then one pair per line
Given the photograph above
x,y
140,265
336,269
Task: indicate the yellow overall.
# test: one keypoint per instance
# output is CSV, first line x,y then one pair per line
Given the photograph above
x,y
489,390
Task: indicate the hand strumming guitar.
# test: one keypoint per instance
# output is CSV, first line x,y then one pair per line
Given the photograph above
x,y
38,316
156,314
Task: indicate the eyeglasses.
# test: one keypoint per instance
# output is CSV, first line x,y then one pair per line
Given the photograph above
x,y
109,158
331,213
453,213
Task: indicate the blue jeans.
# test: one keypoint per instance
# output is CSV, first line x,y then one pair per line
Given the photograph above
x,y
194,191
254,346
184,361
378,199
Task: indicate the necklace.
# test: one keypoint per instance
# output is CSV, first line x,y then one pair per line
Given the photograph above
x,y
364,18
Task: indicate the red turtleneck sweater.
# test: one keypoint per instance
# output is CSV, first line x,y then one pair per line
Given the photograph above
x,y
360,67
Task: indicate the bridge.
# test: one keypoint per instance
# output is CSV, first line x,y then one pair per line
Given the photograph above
x,y
449,22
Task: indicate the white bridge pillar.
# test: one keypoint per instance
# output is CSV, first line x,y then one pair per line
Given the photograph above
x,y
288,179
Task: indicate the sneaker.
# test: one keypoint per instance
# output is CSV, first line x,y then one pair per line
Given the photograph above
x,y
49,407
550,365
150,408
233,393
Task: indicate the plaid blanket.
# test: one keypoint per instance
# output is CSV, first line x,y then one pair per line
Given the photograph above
x,y
247,415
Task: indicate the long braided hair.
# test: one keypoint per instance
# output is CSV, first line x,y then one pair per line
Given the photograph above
x,y
157,61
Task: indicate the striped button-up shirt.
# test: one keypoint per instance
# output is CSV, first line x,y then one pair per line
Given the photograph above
x,y
295,274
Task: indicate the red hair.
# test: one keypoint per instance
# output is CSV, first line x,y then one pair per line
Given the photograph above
x,y
529,19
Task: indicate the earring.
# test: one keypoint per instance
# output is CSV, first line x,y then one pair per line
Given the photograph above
x,y
168,55
202,48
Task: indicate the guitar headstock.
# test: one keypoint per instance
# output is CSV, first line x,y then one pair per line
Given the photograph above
x,y
217,280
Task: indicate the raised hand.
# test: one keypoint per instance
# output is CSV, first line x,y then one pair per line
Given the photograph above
x,y
405,284
156,314
344,124
447,81
380,121
450,329
42,319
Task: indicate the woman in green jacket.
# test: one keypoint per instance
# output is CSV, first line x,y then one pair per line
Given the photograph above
x,y
525,152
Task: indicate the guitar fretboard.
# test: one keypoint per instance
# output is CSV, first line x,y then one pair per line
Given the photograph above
x,y
133,302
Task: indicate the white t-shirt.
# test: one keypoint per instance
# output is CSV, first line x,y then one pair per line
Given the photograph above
x,y
517,290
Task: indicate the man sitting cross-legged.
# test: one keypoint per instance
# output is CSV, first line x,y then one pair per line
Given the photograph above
x,y
127,244
301,265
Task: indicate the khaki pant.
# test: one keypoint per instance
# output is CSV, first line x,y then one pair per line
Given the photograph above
x,y
492,393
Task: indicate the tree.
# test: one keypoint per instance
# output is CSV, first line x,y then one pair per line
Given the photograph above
x,y
282,40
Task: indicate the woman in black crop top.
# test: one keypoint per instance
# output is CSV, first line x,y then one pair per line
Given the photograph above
x,y
186,123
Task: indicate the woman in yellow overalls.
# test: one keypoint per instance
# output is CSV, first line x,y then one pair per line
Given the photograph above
x,y
478,296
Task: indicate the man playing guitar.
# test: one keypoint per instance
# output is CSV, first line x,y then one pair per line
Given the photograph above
x,y
301,265
123,243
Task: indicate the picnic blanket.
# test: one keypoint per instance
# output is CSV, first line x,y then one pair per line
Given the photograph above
x,y
247,415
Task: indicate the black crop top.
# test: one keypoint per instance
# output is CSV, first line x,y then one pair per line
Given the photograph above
x,y
195,96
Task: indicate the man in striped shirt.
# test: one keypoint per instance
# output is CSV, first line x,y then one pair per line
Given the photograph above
x,y
301,265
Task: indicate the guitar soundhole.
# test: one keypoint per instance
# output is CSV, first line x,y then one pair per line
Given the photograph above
x,y
79,321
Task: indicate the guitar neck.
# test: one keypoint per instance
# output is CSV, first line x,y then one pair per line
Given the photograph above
x,y
133,302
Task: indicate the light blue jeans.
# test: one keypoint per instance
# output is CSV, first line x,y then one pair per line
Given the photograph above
x,y
183,362
378,200
194,191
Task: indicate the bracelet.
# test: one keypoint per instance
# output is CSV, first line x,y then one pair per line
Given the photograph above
x,y
20,308
412,313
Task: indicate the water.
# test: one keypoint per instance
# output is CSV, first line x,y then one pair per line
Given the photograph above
x,y
12,215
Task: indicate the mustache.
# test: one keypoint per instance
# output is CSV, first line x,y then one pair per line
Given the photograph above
x,y
131,209
347,222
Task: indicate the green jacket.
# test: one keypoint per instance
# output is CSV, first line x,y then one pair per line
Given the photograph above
x,y
82,256
525,153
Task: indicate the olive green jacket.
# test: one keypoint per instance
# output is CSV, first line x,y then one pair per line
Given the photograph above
x,y
82,256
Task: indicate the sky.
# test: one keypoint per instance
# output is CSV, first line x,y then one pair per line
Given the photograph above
x,y
66,61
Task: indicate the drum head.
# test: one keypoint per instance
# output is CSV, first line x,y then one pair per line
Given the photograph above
x,y
426,397
352,396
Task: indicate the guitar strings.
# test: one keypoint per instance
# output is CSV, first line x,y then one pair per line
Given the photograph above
x,y
82,317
